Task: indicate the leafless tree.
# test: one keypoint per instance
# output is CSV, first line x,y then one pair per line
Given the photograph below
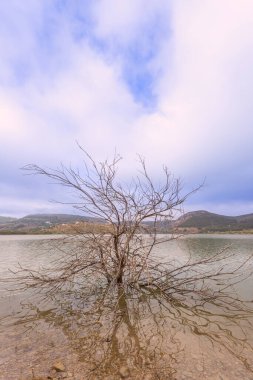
x,y
112,266
133,215
124,251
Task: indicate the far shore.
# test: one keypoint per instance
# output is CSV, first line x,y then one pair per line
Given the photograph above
x,y
185,233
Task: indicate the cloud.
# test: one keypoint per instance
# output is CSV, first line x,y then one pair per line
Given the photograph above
x,y
131,33
169,80
203,112
121,22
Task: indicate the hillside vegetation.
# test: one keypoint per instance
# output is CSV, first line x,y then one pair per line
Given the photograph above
x,y
205,221
44,223
191,222
6,219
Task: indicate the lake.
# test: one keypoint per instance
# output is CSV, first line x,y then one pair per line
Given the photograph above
x,y
139,338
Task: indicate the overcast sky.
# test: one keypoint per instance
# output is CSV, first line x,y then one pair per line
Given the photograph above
x,y
171,80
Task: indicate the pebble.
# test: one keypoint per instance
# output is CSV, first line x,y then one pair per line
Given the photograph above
x,y
199,368
124,372
148,377
59,367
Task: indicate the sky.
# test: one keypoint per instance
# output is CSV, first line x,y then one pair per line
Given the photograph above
x,y
171,80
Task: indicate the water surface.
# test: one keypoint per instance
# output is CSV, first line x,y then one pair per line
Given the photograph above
x,y
152,339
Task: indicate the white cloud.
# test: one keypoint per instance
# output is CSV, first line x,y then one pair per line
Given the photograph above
x,y
203,117
122,21
207,91
202,123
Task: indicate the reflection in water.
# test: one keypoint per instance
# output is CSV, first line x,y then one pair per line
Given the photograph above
x,y
117,333
145,332
139,335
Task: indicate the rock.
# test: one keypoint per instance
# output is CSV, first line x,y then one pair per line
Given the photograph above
x,y
221,377
59,366
148,376
124,372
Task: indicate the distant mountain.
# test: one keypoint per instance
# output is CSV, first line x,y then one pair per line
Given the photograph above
x,y
6,219
206,221
38,222
191,222
42,219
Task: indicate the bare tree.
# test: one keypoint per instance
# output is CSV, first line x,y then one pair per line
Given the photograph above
x,y
109,269
124,252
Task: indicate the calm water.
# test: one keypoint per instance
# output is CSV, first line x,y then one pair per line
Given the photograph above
x,y
152,340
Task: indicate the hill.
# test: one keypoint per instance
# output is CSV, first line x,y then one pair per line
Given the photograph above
x,y
191,222
44,219
205,221
6,219
37,223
